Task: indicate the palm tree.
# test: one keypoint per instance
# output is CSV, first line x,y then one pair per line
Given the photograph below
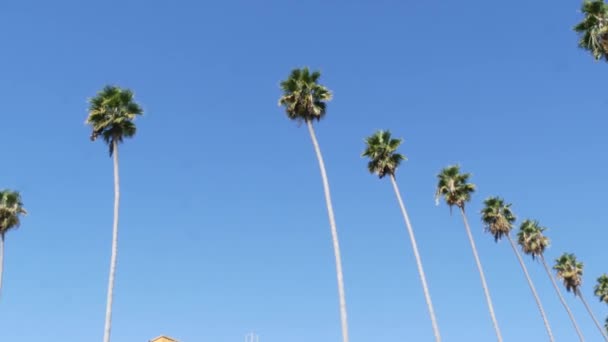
x,y
456,190
305,100
570,271
11,208
593,29
384,160
111,116
498,219
601,289
533,242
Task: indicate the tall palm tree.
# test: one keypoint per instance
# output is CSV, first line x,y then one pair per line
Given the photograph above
x,y
533,242
305,100
11,208
601,289
456,190
498,219
384,160
570,271
111,116
593,29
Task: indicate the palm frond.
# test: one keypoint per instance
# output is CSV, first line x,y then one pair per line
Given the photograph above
x,y
601,289
111,115
570,271
531,238
454,187
303,97
497,217
593,29
11,208
381,151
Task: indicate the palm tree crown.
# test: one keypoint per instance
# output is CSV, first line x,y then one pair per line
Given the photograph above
x,y
570,271
593,29
454,187
497,217
303,97
11,208
111,115
531,238
601,289
381,152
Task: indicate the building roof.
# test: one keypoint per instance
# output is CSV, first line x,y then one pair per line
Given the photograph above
x,y
163,339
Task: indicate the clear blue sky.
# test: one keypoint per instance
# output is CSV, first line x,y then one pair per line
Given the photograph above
x,y
223,223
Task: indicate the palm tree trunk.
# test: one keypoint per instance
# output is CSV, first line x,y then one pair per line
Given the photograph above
x,y
597,324
425,287
561,298
536,298
481,275
334,233
1,259
108,323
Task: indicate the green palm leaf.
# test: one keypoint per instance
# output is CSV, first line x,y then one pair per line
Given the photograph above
x,y
570,271
497,217
111,115
593,29
454,187
303,97
381,150
531,238
601,289
11,208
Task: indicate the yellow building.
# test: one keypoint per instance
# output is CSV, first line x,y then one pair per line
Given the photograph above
x,y
163,339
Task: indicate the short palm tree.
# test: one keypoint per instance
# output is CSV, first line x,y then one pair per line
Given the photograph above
x,y
533,242
570,271
601,289
11,208
498,219
305,100
456,190
111,116
593,29
384,161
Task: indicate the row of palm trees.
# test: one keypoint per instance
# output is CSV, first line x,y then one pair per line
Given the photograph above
x,y
111,116
498,219
113,110
305,100
593,37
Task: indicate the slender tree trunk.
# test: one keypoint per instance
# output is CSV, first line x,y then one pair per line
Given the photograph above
x,y
597,324
334,233
532,288
425,287
481,275
108,324
1,260
561,298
